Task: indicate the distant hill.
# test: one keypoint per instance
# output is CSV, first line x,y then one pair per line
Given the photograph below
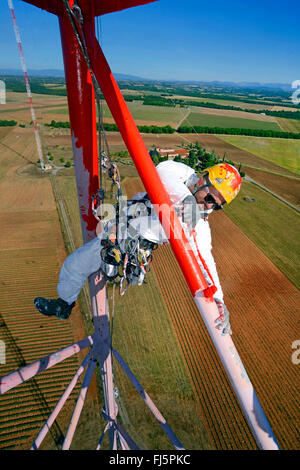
x,y
121,76
34,72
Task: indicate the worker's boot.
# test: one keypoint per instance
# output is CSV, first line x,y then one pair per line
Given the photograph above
x,y
54,307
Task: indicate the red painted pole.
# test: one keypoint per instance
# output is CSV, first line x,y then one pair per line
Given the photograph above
x,y
146,169
81,102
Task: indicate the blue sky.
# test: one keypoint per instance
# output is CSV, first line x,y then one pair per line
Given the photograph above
x,y
232,40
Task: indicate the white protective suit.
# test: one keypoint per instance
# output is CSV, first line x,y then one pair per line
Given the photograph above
x,y
87,260
174,175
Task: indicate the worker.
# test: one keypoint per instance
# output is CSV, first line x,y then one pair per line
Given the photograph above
x,y
194,197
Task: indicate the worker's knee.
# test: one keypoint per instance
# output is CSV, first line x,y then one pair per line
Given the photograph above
x,y
83,261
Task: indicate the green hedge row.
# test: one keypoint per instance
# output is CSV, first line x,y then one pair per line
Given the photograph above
x,y
196,130
237,131
4,123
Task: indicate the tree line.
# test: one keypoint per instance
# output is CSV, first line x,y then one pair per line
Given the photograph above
x,y
114,128
238,131
193,130
5,123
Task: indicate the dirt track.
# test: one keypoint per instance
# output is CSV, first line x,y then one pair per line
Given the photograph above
x,y
264,308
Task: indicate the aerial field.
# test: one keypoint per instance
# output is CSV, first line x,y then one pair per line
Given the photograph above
x,y
282,152
257,294
31,253
214,120
170,353
238,104
145,113
289,125
141,330
51,107
233,113
220,144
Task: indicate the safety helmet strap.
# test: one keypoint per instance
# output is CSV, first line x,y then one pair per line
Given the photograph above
x,y
199,188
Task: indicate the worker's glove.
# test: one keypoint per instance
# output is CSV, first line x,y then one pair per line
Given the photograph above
x,y
222,322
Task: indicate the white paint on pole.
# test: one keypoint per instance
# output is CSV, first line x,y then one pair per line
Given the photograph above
x,y
237,375
2,352
2,92
35,126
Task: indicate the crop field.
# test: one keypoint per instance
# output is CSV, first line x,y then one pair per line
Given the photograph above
x,y
233,113
214,120
144,337
289,125
55,107
286,187
229,102
50,107
277,179
219,144
154,114
257,295
156,327
141,330
271,225
282,152
31,252
17,107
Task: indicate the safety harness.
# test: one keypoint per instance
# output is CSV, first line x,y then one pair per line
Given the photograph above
x,y
126,257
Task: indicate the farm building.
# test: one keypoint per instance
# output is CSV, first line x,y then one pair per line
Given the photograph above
x,y
171,153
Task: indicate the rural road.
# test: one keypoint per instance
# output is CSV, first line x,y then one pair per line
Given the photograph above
x,y
184,118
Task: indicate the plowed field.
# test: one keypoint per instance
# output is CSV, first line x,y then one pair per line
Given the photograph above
x,y
31,253
264,308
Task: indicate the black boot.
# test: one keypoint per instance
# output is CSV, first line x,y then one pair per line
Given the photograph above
x,y
54,307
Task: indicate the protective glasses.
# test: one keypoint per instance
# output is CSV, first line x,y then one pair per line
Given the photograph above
x,y
209,199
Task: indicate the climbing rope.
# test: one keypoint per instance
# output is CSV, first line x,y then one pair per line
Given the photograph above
x,y
75,16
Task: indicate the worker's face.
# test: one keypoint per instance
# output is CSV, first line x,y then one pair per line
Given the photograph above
x,y
208,197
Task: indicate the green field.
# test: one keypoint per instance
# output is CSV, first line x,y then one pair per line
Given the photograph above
x,y
271,225
140,112
211,120
282,152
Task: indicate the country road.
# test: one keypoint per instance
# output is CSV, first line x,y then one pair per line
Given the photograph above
x,y
250,180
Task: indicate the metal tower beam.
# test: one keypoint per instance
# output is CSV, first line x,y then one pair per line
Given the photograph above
x,y
100,7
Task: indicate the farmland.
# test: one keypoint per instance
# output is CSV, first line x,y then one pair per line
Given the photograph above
x,y
246,273
290,125
31,251
210,120
170,353
284,153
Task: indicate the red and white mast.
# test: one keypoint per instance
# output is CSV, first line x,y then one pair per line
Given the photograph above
x,y
35,126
